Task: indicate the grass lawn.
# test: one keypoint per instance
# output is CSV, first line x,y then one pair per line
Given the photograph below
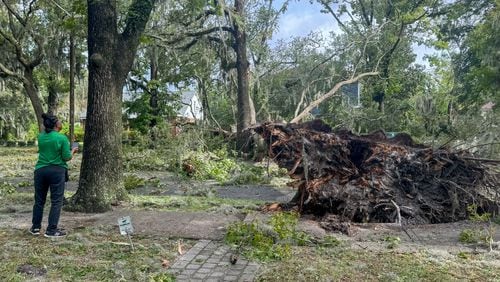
x,y
346,264
87,254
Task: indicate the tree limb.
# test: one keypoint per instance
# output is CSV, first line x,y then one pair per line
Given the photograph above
x,y
137,17
329,94
15,14
6,71
304,92
210,30
140,84
364,14
15,42
330,10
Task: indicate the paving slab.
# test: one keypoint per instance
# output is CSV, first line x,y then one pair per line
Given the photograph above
x,y
216,268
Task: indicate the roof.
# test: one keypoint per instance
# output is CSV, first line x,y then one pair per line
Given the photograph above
x,y
187,97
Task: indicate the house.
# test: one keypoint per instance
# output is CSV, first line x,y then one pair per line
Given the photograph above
x,y
191,109
352,94
351,97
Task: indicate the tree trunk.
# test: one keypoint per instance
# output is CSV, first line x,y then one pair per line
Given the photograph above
x,y
153,99
32,92
72,87
53,98
386,61
110,59
244,118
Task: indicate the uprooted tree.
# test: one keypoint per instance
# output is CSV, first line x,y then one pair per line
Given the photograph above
x,y
374,179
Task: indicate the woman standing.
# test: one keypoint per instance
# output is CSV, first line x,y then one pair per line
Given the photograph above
x,y
50,173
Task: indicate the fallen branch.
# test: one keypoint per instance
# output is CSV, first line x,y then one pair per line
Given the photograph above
x,y
329,94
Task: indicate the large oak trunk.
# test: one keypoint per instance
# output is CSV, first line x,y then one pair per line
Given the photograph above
x,y
110,58
246,112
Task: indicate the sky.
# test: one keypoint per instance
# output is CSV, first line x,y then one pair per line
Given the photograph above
x,y
302,17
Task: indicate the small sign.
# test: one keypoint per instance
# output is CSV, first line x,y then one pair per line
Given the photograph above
x,y
125,224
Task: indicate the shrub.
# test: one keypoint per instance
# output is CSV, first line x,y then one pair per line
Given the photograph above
x,y
132,182
203,166
79,133
392,241
267,242
136,158
249,174
468,236
32,133
255,242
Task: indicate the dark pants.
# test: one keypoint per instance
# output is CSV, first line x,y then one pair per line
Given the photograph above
x,y
52,177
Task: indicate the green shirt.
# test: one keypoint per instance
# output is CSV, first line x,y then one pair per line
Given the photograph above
x,y
53,149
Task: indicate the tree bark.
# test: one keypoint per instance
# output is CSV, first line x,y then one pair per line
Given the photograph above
x,y
53,99
32,92
244,104
72,64
153,99
110,59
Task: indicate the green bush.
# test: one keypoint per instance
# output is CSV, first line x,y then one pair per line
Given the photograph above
x,y
249,174
193,154
475,216
137,158
468,236
33,132
210,166
79,133
267,242
132,182
392,241
255,243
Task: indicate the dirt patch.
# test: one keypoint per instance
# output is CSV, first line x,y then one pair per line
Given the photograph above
x,y
190,225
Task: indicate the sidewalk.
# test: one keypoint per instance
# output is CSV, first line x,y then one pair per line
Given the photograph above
x,y
210,261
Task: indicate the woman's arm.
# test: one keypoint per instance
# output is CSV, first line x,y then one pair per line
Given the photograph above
x,y
67,153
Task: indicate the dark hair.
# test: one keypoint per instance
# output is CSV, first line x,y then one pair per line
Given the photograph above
x,y
49,122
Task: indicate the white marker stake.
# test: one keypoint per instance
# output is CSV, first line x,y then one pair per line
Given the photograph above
x,y
125,224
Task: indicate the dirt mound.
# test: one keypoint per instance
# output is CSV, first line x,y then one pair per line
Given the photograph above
x,y
375,179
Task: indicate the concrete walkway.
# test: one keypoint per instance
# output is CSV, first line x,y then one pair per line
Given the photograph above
x,y
210,261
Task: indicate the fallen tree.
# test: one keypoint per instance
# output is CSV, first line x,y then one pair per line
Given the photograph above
x,y
374,179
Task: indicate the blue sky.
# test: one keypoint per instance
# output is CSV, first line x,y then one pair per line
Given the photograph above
x,y
302,17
